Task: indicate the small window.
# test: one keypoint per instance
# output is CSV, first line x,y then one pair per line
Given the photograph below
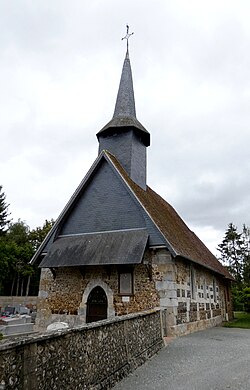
x,y
126,283
204,288
214,290
192,282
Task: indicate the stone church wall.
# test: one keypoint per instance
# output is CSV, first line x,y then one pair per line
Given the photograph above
x,y
194,298
191,295
70,359
61,296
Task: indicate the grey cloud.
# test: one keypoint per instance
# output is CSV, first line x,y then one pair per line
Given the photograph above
x,y
198,160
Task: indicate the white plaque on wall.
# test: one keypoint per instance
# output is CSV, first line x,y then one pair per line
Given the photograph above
x,y
125,299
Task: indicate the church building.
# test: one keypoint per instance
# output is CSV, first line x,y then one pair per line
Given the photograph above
x,y
118,247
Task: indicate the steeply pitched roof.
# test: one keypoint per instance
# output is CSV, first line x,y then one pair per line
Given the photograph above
x,y
180,240
183,241
125,113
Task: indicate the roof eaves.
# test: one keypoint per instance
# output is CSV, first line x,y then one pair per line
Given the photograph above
x,y
205,266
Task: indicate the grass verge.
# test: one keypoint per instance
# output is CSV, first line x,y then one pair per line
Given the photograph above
x,y
241,320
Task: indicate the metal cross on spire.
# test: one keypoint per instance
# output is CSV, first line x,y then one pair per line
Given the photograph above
x,y
127,36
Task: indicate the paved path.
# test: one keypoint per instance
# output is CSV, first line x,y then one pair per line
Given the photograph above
x,y
214,359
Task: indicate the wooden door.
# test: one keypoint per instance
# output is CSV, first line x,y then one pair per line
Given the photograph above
x,y
97,305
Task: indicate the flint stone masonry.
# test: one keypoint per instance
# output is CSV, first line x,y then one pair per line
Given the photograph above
x,y
64,298
92,357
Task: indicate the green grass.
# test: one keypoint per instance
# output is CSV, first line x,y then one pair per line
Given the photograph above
x,y
241,320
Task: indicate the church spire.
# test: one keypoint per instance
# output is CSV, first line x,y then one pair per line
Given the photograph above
x,y
125,101
124,136
125,113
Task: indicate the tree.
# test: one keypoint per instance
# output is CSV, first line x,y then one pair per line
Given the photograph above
x,y
17,247
246,299
20,253
235,253
4,258
36,236
232,252
246,263
4,221
5,263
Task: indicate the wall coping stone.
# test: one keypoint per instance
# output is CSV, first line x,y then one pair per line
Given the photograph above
x,y
29,339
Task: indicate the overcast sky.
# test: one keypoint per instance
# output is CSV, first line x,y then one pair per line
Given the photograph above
x,y
60,66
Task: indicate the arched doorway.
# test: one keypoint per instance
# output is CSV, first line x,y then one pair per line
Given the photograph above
x,y
97,305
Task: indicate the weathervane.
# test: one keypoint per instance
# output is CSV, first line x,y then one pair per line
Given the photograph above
x,y
127,36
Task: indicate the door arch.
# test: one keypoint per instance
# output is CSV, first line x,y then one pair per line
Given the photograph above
x,y
97,305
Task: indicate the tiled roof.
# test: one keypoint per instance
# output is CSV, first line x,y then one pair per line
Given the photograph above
x,y
183,241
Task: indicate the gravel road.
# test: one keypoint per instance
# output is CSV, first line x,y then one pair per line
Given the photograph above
x,y
213,359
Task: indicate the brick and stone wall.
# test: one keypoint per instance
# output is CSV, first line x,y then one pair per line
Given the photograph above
x,y
191,302
92,357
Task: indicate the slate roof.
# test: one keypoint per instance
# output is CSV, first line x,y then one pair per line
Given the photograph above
x,y
183,241
117,247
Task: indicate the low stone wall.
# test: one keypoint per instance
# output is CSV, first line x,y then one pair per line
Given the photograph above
x,y
93,356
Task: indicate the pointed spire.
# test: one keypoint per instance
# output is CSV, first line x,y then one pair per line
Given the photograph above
x,y
125,113
125,101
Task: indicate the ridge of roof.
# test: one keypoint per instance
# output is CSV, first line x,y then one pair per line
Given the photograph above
x,y
184,242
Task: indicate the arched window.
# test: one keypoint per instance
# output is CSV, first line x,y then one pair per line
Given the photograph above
x,y
97,305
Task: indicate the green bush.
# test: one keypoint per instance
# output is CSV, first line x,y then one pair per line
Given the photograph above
x,y
246,298
241,320
241,298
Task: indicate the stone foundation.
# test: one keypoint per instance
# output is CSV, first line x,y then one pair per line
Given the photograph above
x,y
186,328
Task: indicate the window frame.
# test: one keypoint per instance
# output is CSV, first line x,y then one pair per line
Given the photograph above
x,y
129,271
